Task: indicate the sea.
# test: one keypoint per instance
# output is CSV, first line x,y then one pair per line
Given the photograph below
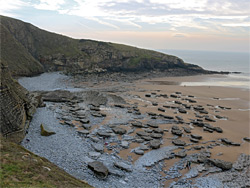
x,y
218,61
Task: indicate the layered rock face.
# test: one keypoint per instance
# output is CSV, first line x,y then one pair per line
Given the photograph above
x,y
17,106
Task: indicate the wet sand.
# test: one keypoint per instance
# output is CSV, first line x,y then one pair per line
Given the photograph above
x,y
235,128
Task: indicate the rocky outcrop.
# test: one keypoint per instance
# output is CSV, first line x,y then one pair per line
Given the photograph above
x,y
41,49
17,106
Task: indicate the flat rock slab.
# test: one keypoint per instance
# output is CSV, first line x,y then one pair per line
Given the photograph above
x,y
179,142
155,144
198,137
137,124
124,166
98,147
46,131
99,169
154,156
224,165
119,130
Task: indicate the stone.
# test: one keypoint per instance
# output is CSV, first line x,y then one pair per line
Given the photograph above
x,y
246,139
224,165
187,130
83,132
156,135
137,124
119,130
94,108
181,154
203,111
125,144
173,96
176,132
119,105
143,147
198,137
154,103
96,114
209,119
218,129
99,169
142,133
147,138
208,130
152,125
139,152
167,117
147,95
123,166
103,133
46,131
194,140
98,147
179,142
94,154
84,121
161,109
155,144
197,147
158,130
179,118
152,114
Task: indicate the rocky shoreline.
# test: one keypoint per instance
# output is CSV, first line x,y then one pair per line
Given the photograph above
x,y
105,136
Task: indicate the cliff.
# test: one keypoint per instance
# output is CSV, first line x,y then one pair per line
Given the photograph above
x,y
36,49
17,106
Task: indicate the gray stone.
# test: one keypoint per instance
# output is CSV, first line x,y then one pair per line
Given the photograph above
x,y
179,142
158,130
187,130
99,169
125,144
124,166
176,132
136,124
139,152
103,133
198,137
155,135
94,154
194,140
224,165
84,132
152,125
155,144
98,147
142,133
46,131
181,154
119,130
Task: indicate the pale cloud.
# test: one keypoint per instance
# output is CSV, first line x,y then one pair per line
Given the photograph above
x,y
49,4
7,7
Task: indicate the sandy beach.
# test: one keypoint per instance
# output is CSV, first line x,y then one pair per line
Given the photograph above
x,y
212,122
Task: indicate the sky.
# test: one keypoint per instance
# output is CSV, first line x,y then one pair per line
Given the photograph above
x,y
213,25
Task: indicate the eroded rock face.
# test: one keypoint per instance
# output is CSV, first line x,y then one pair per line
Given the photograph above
x,y
99,169
17,106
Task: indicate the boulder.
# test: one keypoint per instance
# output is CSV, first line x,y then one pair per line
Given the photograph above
x,y
136,124
45,130
182,111
99,169
181,154
179,142
103,133
224,165
119,130
125,144
176,132
198,137
152,125
155,144
142,133
156,135
187,130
